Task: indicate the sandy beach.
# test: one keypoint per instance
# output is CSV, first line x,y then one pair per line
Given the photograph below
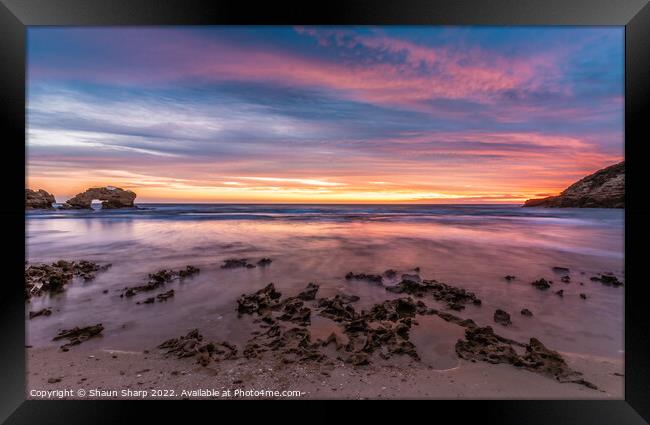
x,y
165,378
391,295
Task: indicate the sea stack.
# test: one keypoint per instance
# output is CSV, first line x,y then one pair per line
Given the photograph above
x,y
603,189
38,199
112,197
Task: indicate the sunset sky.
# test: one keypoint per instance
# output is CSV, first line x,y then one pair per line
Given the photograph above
x,y
323,114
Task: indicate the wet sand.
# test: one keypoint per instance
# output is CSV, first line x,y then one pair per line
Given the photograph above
x,y
470,252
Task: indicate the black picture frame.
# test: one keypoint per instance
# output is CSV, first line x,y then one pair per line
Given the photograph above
x,y
16,15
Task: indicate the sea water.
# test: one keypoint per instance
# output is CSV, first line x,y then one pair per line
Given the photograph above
x,y
471,246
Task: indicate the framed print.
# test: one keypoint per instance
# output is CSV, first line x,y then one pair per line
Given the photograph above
x,y
442,202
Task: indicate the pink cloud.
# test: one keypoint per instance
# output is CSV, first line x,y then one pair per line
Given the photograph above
x,y
166,55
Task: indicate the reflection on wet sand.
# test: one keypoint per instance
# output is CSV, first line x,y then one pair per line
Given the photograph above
x,y
460,249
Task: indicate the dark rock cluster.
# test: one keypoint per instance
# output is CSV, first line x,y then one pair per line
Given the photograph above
x,y
502,317
160,278
295,311
236,263
482,344
337,308
455,298
542,284
384,329
292,344
52,278
188,271
607,280
193,345
260,302
309,293
78,335
160,297
374,278
390,273
267,300
42,312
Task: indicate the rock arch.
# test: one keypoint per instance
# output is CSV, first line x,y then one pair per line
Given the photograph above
x,y
112,197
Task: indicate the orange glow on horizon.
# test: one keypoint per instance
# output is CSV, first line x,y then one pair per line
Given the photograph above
x,y
308,190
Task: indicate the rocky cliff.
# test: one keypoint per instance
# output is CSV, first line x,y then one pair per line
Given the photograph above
x,y
603,189
111,197
38,199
